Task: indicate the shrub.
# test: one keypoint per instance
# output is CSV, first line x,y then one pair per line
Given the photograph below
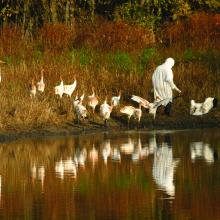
x,y
56,37
13,43
199,31
114,36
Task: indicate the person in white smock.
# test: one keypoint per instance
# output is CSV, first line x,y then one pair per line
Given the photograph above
x,y
163,84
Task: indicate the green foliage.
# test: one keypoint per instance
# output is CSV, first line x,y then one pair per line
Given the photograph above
x,y
84,58
121,61
188,55
32,14
7,10
8,59
146,55
38,54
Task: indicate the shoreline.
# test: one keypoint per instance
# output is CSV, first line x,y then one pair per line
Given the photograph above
x,y
115,125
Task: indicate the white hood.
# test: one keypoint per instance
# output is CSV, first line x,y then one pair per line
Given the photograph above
x,y
169,63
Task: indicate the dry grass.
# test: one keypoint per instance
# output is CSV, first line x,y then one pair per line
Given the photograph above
x,y
196,73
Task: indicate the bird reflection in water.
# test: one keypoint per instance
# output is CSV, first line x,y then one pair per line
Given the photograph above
x,y
106,150
38,173
202,150
116,155
65,167
93,156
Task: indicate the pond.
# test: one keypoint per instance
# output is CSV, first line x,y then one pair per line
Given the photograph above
x,y
123,175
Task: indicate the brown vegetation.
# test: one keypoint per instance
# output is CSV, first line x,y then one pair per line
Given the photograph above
x,y
124,63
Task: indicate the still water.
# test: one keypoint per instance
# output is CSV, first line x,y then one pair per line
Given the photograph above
x,y
127,175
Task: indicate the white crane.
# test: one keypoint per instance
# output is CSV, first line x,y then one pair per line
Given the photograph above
x,y
204,107
59,90
92,101
146,104
41,84
152,106
69,89
116,99
132,111
33,89
137,114
80,109
105,111
128,110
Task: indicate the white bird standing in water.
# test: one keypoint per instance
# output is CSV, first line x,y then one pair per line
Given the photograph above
x,y
204,107
33,89
41,84
116,99
69,89
59,90
105,111
92,101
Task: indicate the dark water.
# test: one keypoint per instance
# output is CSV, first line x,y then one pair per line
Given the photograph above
x,y
131,175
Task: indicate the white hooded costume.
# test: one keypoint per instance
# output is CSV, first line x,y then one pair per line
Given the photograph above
x,y
163,82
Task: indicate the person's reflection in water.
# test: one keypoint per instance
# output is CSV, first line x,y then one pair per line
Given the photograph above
x,y
164,167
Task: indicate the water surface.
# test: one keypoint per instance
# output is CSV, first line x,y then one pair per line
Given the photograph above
x,y
127,175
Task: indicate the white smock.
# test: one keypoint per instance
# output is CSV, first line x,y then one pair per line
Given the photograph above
x,y
163,82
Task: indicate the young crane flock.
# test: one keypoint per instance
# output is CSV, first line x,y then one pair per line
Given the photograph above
x,y
105,109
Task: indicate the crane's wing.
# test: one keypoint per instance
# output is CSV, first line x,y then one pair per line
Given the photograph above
x,y
163,102
141,101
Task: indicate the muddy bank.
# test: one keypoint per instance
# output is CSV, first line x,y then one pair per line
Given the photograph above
x,y
117,123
